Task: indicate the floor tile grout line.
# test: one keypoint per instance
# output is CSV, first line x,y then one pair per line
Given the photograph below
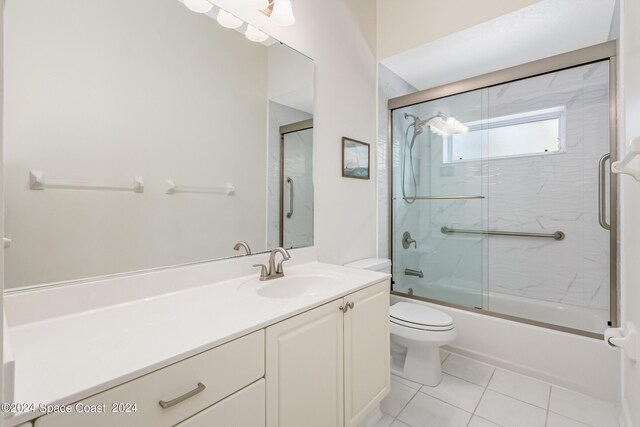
x,y
520,400
546,420
448,403
571,418
460,378
481,396
407,404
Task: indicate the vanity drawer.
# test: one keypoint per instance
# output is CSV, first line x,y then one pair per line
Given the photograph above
x,y
207,378
246,408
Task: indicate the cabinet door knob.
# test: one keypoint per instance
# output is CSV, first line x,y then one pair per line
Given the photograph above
x,y
167,404
346,307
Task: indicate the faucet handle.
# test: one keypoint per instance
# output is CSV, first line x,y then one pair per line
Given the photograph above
x,y
263,271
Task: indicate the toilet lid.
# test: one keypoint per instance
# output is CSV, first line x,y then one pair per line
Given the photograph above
x,y
419,314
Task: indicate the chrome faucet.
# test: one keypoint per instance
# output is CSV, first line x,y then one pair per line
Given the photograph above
x,y
244,245
274,271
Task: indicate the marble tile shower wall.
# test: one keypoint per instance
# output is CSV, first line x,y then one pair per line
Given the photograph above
x,y
534,194
554,192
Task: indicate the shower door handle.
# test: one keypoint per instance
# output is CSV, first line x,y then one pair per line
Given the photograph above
x,y
290,182
602,203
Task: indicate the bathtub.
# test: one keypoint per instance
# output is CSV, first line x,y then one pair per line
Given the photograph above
x,y
469,294
582,363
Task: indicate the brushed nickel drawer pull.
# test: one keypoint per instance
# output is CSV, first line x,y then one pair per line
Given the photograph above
x,y
168,404
350,305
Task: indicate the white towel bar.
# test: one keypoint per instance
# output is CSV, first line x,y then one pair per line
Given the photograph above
x,y
37,181
172,188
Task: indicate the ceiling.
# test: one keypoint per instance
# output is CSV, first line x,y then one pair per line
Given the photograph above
x,y
544,29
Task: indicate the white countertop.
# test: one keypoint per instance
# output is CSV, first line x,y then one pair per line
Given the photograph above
x,y
65,359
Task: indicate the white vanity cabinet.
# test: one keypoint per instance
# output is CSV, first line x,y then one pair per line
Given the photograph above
x,y
177,392
330,365
325,367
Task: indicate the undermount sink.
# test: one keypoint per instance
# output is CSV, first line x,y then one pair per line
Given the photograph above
x,y
293,286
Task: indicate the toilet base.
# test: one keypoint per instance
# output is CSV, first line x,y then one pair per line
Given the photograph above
x,y
417,361
422,365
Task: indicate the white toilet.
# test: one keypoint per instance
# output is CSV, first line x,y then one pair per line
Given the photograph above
x,y
417,333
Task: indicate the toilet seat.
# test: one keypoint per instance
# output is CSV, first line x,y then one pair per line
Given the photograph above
x,y
421,317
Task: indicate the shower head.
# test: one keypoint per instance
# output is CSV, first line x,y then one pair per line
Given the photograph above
x,y
439,124
418,125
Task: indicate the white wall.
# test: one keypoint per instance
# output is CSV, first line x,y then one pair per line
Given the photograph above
x,y
405,24
145,91
339,35
290,80
629,116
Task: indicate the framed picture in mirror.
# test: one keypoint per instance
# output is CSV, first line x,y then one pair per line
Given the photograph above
x,y
356,159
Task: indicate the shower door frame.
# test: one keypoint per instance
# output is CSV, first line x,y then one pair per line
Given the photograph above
x,y
596,53
284,130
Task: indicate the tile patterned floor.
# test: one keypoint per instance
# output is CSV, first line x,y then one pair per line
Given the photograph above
x,y
475,394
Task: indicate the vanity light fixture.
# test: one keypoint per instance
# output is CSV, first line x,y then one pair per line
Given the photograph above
x,y
227,20
259,4
254,34
282,13
198,6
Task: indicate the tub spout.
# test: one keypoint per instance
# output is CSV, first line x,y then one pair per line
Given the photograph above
x,y
412,272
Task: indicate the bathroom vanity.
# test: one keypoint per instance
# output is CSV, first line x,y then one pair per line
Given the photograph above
x,y
310,348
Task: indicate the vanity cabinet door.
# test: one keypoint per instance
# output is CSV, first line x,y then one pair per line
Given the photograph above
x,y
242,409
304,369
366,352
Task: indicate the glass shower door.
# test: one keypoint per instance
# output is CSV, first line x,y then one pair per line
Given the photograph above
x,y
296,200
502,199
437,191
546,137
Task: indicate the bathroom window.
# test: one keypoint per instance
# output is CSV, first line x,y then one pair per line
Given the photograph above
x,y
531,133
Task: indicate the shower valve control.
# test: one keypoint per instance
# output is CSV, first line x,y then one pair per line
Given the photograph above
x,y
407,241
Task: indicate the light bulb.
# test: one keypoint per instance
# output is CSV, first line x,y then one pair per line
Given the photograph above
x,y
259,4
255,35
227,20
198,6
282,13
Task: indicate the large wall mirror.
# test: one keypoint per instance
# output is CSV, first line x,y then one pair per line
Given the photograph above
x,y
139,135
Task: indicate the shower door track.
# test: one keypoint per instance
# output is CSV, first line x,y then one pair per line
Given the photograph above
x,y
596,53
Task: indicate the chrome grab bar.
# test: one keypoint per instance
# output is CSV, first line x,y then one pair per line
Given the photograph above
x,y
441,197
558,235
602,204
290,182
168,404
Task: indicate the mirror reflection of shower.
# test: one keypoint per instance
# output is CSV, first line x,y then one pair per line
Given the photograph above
x,y
439,124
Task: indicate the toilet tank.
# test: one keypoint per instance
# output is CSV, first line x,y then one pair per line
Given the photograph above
x,y
382,265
